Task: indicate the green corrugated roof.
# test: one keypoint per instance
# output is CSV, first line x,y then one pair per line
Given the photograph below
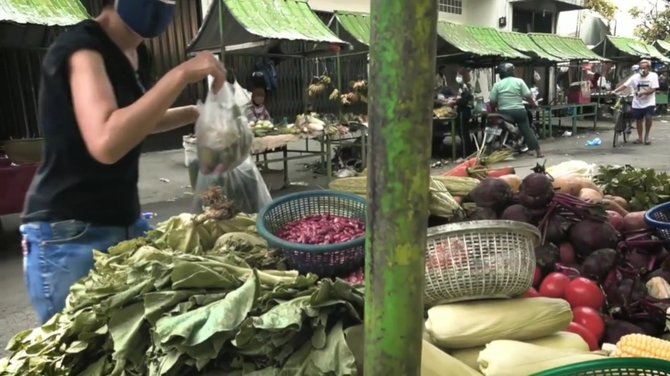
x,y
663,46
523,43
565,47
356,24
280,19
42,12
637,48
480,41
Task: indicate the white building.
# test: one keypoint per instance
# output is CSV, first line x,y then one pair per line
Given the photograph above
x,y
517,15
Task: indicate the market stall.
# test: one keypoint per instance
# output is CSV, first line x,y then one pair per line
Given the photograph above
x,y
295,32
577,104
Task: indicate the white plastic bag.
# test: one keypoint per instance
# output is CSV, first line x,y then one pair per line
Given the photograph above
x,y
223,135
244,186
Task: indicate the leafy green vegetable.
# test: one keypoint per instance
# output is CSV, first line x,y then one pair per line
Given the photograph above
x,y
643,188
169,304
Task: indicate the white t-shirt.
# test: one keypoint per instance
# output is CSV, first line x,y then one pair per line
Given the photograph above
x,y
636,83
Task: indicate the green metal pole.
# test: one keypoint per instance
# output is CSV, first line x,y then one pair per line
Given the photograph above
x,y
402,64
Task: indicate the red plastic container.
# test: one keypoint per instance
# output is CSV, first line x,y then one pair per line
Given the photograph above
x,y
14,183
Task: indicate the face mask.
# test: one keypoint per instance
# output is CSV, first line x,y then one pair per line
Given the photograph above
x,y
147,18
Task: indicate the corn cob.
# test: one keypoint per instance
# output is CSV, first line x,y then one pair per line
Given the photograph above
x,y
442,204
642,346
456,186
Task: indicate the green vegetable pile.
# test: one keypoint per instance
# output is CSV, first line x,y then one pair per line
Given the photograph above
x,y
189,299
643,188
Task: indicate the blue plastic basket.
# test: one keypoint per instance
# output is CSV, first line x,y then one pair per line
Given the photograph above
x,y
658,218
323,260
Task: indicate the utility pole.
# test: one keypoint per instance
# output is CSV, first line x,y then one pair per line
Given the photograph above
x,y
402,68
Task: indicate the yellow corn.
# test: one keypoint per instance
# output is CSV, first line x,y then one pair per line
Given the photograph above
x,y
457,186
643,346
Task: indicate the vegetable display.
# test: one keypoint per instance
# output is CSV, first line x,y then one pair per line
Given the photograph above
x,y
323,229
189,299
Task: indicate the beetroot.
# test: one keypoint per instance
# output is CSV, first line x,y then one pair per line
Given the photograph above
x,y
536,191
556,228
589,235
640,260
615,329
598,264
480,214
615,219
492,193
626,294
517,213
650,327
567,252
546,257
322,230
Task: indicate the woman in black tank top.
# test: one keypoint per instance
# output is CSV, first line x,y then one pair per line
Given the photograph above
x,y
96,106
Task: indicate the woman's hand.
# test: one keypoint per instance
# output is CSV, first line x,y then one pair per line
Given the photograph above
x,y
202,65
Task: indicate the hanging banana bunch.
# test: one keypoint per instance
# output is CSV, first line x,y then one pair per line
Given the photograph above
x,y
334,95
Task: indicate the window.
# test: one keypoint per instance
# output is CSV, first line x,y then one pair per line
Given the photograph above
x,y
450,6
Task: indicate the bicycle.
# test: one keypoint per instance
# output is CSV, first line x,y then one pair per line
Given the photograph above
x,y
622,120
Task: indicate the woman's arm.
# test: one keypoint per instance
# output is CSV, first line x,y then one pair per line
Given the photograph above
x,y
111,132
177,117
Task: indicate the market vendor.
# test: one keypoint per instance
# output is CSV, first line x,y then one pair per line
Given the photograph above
x,y
257,110
96,106
508,96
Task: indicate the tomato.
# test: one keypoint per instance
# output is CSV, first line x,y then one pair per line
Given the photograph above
x,y
583,292
532,293
537,278
553,285
590,319
586,335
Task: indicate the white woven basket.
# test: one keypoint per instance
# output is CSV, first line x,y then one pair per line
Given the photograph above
x,y
479,260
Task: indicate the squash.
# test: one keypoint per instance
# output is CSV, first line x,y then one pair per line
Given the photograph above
x,y
590,195
567,184
514,181
634,221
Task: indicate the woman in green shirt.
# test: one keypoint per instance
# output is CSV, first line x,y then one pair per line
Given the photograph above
x,y
507,97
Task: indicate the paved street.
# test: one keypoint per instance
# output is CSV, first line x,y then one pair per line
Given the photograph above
x,y
164,190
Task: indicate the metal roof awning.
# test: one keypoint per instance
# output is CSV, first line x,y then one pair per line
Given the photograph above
x,y
356,24
42,12
568,48
663,47
524,44
477,41
249,25
621,48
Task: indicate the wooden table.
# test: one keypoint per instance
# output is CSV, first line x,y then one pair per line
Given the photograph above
x,y
439,124
547,113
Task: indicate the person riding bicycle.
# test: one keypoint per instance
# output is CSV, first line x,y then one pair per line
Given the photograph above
x,y
507,96
644,84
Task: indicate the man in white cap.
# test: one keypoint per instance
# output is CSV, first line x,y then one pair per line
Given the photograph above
x,y
644,84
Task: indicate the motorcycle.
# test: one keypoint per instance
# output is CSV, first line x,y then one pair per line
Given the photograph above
x,y
502,132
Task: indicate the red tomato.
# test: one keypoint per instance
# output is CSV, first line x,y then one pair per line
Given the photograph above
x,y
586,335
532,293
590,319
553,285
537,278
583,292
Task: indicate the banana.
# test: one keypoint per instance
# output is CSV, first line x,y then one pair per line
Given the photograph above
x,y
334,95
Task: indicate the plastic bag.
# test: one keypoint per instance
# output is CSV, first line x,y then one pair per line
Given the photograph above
x,y
223,135
244,186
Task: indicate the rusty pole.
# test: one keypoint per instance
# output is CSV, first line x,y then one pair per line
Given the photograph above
x,y
402,67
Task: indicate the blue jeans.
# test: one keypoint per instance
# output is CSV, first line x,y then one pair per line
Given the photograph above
x,y
58,254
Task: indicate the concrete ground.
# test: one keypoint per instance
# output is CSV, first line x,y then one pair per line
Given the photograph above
x,y
164,190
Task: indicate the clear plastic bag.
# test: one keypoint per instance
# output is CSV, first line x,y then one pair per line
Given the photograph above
x,y
223,135
244,186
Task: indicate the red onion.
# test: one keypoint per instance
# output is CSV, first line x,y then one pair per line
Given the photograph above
x,y
356,278
322,229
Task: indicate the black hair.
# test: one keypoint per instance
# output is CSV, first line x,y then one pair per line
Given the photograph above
x,y
107,3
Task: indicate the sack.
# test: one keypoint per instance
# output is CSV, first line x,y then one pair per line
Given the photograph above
x,y
244,186
223,135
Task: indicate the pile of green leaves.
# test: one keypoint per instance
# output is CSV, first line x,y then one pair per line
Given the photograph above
x,y
149,308
643,188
